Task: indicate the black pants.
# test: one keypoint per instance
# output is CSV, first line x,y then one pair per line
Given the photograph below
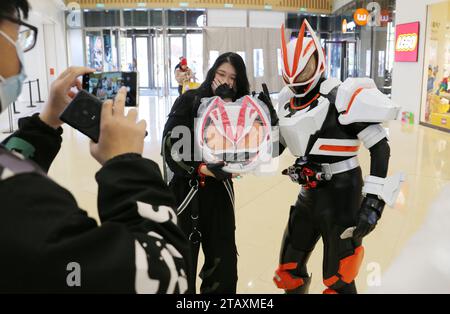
x,y
180,89
326,212
216,223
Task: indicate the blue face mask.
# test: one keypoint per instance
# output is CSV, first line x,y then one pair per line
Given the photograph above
x,y
11,87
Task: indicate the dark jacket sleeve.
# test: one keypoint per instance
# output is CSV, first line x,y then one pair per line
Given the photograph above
x,y
179,129
50,245
35,140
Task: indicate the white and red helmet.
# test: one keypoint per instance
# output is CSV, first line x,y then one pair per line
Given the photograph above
x,y
237,133
296,55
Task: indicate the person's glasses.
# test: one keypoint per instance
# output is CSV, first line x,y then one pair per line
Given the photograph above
x,y
27,37
27,34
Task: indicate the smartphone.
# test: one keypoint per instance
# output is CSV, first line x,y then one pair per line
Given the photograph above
x,y
84,113
105,85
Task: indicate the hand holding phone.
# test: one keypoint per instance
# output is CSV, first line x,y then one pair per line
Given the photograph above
x,y
61,94
120,133
83,114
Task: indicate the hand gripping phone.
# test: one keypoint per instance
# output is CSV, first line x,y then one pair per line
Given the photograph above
x,y
83,114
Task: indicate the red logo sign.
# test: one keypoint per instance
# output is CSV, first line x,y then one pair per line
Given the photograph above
x,y
407,42
385,17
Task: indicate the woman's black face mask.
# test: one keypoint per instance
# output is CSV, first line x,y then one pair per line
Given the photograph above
x,y
224,91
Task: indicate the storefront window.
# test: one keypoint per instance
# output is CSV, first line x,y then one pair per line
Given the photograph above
x,y
94,50
435,109
156,17
195,18
258,63
135,17
194,55
356,49
101,18
177,17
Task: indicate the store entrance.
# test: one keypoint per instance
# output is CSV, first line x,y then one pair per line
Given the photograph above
x,y
341,59
144,51
153,53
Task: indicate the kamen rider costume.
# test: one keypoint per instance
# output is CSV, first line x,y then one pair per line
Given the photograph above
x,y
323,122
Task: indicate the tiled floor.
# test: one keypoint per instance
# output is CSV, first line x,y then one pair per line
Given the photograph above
x,y
262,208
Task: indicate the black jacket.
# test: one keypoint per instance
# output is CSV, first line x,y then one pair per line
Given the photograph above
x,y
182,118
49,244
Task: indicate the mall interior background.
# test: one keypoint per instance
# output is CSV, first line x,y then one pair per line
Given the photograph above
x,y
121,39
141,36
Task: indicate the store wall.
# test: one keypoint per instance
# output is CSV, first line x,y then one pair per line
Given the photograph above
x,y
75,47
244,18
244,31
226,18
339,4
50,49
408,86
259,51
266,19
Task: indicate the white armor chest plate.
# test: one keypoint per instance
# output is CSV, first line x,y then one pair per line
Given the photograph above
x,y
297,129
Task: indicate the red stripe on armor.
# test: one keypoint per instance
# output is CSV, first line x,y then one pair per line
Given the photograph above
x,y
285,280
353,99
298,48
349,266
337,148
303,106
330,281
287,266
284,50
307,47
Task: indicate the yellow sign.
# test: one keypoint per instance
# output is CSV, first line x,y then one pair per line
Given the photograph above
x,y
406,42
344,26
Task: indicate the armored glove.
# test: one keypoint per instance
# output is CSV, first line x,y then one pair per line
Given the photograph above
x,y
264,96
370,212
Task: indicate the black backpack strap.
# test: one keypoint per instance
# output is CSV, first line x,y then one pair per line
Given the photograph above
x,y
12,164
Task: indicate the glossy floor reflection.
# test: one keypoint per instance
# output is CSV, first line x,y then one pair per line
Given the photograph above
x,y
262,205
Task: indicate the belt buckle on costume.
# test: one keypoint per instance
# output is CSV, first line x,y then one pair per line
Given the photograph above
x,y
305,173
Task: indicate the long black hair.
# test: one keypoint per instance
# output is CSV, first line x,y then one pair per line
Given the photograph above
x,y
9,7
242,86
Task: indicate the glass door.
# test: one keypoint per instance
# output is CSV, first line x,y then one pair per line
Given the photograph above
x,y
351,60
176,52
94,50
142,61
159,60
102,49
341,59
126,51
194,54
334,56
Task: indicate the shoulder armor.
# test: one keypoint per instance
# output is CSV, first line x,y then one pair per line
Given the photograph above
x,y
328,85
359,100
329,88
